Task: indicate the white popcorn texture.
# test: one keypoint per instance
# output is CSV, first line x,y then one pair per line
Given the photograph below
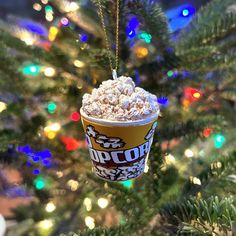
x,y
120,100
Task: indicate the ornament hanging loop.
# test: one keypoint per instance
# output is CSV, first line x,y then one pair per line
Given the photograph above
x,y
108,46
114,74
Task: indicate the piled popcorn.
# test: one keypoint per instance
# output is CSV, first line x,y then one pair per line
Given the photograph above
x,y
119,100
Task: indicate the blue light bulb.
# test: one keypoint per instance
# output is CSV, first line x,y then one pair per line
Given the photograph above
x,y
130,32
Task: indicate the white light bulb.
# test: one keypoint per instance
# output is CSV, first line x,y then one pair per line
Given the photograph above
x,y
50,207
89,222
188,153
49,71
103,202
74,6
49,17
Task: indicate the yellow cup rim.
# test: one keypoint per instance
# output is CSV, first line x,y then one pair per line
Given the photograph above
x,y
145,121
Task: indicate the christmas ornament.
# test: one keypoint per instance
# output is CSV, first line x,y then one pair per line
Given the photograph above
x,y
118,148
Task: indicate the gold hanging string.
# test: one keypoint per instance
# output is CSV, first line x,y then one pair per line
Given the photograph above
x,y
113,69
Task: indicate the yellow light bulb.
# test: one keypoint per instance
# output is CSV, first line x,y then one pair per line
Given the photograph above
x,y
51,135
141,52
79,63
3,106
45,224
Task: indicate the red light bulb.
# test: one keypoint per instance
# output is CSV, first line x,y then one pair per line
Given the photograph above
x,y
75,116
207,132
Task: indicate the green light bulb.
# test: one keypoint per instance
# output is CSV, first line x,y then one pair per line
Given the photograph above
x,y
48,9
127,183
219,140
52,107
170,73
39,183
31,69
147,38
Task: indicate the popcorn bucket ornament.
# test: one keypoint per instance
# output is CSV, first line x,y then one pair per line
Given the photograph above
x,y
118,149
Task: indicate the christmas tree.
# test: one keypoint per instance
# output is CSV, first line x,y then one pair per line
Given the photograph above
x,y
189,183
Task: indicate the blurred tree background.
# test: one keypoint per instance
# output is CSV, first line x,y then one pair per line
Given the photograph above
x,y
52,52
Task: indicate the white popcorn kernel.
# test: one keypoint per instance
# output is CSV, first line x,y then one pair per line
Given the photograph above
x,y
124,103
120,100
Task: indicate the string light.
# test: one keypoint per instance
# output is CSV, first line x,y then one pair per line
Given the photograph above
x,y
49,17
185,12
50,207
89,222
163,101
49,71
219,140
169,159
73,184
102,202
130,32
83,38
37,7
51,130
44,1
48,9
3,106
59,174
79,64
64,21
72,6
53,31
75,116
207,132
127,183
141,52
133,23
188,153
45,224
36,172
39,183
195,180
196,94
147,38
88,204
32,69
170,73
52,107
53,127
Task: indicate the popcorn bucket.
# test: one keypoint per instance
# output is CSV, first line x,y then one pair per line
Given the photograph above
x,y
118,149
